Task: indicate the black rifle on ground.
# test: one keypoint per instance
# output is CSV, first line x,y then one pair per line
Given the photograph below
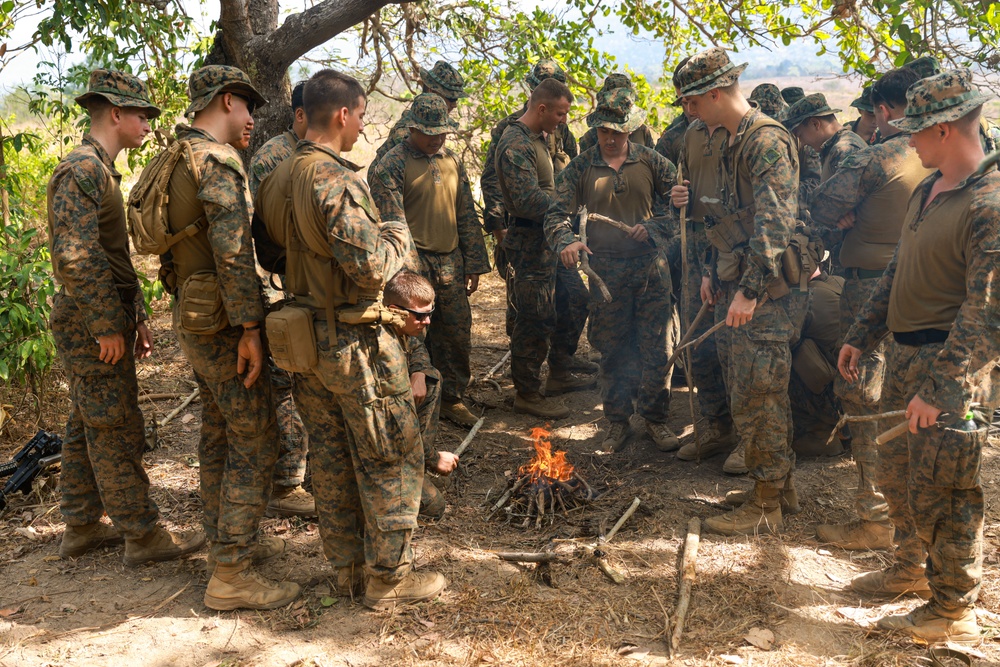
x,y
42,451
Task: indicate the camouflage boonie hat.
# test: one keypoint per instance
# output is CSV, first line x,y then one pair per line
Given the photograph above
x,y
925,66
429,114
207,82
545,69
707,71
792,94
941,98
864,103
616,110
768,98
617,80
121,89
809,106
444,80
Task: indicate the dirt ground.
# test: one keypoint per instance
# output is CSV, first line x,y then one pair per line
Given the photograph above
x,y
95,611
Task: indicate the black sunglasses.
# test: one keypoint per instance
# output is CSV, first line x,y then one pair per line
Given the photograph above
x,y
251,105
419,314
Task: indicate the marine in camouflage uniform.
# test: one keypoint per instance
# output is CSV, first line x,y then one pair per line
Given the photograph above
x,y
442,80
864,125
774,103
936,299
632,332
641,135
99,301
872,185
753,226
431,193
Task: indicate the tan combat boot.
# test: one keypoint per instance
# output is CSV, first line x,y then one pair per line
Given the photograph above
x,y
78,540
930,624
414,587
717,438
240,586
351,581
760,514
458,413
539,406
162,545
664,438
562,382
856,535
267,546
291,501
789,498
585,366
892,582
617,437
736,462
432,503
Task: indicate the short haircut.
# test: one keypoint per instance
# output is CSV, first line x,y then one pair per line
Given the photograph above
x,y
891,87
969,123
677,70
326,93
407,288
98,106
548,91
298,92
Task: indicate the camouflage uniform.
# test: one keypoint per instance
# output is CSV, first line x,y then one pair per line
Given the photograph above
x,y
99,296
270,155
875,183
671,142
418,360
364,435
936,298
863,103
239,437
632,331
409,181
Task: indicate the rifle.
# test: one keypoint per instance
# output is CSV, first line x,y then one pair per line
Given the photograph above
x,y
42,451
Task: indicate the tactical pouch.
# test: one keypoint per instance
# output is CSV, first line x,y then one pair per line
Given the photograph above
x,y
292,338
370,313
812,366
800,260
201,306
729,265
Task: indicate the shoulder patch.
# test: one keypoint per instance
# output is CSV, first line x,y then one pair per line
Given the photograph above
x,y
771,155
234,164
86,183
360,196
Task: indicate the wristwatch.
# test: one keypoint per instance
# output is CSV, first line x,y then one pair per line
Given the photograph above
x,y
749,293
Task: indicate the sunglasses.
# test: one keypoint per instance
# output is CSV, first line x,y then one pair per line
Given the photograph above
x,y
420,315
251,105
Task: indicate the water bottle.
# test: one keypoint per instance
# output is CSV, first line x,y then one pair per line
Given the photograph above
x,y
968,422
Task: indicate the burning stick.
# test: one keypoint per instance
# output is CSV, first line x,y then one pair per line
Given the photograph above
x,y
687,574
468,439
585,258
843,421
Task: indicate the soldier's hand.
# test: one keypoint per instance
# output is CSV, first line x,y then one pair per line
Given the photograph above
x,y
707,295
446,463
847,221
570,255
471,284
740,310
847,362
250,356
498,235
418,385
679,194
143,341
639,233
112,348
921,414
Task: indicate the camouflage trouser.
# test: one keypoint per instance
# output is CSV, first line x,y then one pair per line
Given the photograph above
x,y
239,441
290,469
102,451
429,416
863,397
536,290
449,336
757,362
632,334
932,485
366,453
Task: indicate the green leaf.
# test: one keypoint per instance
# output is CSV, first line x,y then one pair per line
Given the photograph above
x,y
328,601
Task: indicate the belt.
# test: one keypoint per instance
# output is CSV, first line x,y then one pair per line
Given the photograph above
x,y
920,338
862,274
525,222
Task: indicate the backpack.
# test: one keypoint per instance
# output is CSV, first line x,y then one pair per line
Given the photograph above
x,y
149,199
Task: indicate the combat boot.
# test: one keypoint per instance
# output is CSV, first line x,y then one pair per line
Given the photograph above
x,y
414,587
562,382
718,437
291,501
618,436
930,624
539,406
789,498
458,413
432,503
581,365
661,434
761,513
267,547
240,586
736,462
856,535
78,540
351,581
161,545
892,582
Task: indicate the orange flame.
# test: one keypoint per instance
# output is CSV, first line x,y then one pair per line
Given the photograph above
x,y
545,463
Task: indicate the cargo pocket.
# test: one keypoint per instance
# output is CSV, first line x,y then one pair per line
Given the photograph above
x,y
391,522
959,458
101,399
377,443
769,369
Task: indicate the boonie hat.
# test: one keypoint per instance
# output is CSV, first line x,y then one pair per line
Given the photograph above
x,y
707,71
864,103
616,110
429,114
444,80
792,94
207,82
941,98
925,66
768,98
545,69
617,80
121,89
809,106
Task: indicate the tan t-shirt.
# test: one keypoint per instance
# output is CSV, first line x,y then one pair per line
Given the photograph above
x,y
430,199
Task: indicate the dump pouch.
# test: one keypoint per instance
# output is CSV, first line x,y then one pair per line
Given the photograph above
x,y
292,339
202,312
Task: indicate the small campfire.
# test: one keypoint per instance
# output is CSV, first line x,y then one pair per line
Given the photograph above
x,y
545,486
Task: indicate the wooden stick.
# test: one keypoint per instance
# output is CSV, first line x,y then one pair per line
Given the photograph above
x,y
687,575
611,221
629,512
585,260
507,495
187,401
846,419
685,301
611,573
468,439
160,397
893,433
531,556
694,343
499,365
